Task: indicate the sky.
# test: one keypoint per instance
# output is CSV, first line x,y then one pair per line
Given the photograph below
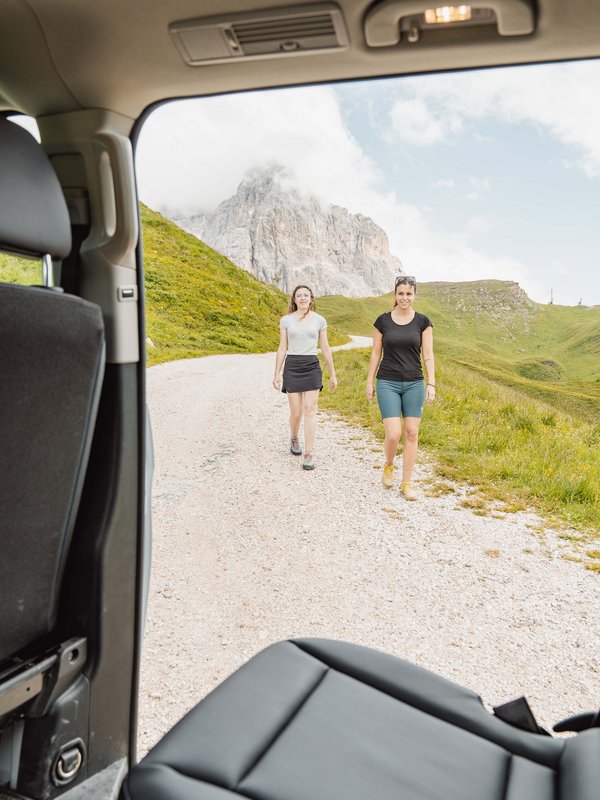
x,y
482,174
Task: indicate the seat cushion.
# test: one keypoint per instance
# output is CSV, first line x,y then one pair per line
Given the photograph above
x,y
313,719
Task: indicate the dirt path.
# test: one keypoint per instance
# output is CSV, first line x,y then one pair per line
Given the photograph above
x,y
250,549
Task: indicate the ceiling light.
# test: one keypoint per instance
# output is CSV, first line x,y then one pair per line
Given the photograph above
x,y
388,21
445,14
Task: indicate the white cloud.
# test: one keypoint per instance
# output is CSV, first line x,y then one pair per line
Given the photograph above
x,y
480,225
192,154
444,183
436,255
560,99
477,188
415,123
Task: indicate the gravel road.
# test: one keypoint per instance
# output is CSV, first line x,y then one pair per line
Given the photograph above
x,y
250,549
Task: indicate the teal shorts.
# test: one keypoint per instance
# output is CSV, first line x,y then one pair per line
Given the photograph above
x,y
400,398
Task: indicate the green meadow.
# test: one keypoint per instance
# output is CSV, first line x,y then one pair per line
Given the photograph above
x,y
517,414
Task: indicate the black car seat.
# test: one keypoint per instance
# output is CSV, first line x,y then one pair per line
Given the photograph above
x,y
52,355
313,719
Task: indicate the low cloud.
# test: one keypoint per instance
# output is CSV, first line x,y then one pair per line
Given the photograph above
x,y
193,154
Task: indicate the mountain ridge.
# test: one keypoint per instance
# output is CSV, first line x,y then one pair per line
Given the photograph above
x,y
286,237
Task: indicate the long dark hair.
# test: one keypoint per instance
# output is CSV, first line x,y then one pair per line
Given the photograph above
x,y
293,305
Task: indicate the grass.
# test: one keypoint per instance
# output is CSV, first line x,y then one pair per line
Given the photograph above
x,y
517,450
518,387
20,270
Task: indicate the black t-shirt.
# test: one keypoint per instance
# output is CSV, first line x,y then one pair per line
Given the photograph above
x,y
401,347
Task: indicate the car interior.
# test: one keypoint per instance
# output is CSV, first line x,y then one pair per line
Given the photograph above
x,y
308,719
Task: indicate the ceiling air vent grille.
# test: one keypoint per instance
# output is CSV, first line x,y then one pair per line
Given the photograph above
x,y
285,32
295,33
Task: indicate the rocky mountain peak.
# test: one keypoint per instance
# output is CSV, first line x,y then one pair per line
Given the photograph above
x,y
285,237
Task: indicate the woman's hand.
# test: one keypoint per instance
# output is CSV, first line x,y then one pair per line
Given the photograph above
x,y
430,393
276,382
369,390
332,383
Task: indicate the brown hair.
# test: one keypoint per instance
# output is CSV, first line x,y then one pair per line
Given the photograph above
x,y
293,306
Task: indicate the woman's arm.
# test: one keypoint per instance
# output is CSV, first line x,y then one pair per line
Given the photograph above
x,y
280,358
328,356
428,359
374,361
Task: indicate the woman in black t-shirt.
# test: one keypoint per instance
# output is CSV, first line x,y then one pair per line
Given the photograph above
x,y
401,336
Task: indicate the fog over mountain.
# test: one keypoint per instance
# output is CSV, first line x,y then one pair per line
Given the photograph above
x,y
286,237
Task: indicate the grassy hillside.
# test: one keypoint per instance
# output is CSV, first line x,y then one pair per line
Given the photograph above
x,y
551,353
198,302
518,384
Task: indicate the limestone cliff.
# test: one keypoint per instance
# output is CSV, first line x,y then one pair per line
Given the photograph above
x,y
285,237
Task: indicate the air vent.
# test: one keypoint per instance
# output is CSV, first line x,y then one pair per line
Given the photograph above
x,y
292,31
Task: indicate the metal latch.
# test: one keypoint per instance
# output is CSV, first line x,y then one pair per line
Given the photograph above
x,y
68,763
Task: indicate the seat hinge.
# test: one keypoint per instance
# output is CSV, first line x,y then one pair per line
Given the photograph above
x,y
38,682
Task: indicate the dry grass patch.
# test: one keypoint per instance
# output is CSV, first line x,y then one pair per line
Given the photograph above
x,y
436,488
511,507
476,503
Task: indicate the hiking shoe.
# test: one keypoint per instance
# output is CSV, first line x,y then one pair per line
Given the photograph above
x,y
295,448
407,490
388,476
308,462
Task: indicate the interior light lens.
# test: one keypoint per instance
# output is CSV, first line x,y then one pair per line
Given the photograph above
x,y
445,14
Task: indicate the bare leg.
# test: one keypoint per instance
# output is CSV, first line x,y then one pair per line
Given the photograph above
x,y
391,427
309,408
410,435
295,401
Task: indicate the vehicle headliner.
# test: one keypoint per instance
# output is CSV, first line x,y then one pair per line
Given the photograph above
x,y
61,56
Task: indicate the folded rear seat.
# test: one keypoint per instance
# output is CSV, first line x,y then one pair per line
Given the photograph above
x,y
313,719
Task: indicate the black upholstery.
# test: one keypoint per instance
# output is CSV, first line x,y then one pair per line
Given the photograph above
x,y
314,719
51,369
33,213
51,366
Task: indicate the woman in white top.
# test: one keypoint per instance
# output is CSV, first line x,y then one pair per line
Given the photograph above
x,y
301,331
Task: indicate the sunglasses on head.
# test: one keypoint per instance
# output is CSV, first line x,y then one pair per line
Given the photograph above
x,y
405,279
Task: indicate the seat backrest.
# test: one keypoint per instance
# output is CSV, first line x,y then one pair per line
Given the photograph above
x,y
51,369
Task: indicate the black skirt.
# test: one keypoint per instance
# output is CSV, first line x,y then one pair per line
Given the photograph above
x,y
302,374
